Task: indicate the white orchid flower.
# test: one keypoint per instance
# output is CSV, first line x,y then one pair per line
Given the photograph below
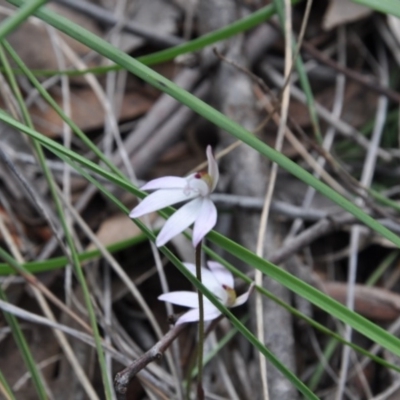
x,y
219,281
200,210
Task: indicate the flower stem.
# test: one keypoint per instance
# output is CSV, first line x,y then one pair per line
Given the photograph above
x,y
200,346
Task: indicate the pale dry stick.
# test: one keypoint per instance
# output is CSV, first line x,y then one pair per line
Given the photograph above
x,y
291,139
32,280
107,309
306,237
115,88
64,344
67,138
361,377
386,394
270,190
26,247
132,176
124,157
299,147
144,375
366,180
66,105
4,392
43,364
35,197
9,99
158,115
289,135
331,132
222,371
342,127
38,319
110,91
118,270
353,74
99,92
167,134
104,16
176,371
322,359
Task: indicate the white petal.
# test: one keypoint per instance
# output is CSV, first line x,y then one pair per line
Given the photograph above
x,y
179,221
199,186
205,221
193,315
221,274
213,170
159,200
167,182
243,298
209,281
181,298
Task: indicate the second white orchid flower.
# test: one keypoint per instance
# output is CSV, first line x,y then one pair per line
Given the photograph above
x,y
170,190
219,281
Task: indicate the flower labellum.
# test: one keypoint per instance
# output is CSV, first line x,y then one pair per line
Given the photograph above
x,y
195,189
218,280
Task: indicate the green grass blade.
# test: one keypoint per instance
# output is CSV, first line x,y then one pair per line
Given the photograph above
x,y
241,328
304,82
242,25
11,23
294,311
313,295
384,6
71,245
45,94
209,113
23,347
199,43
316,297
6,387
321,328
35,267
236,322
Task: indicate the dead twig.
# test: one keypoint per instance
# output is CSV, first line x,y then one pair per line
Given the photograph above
x,y
364,80
123,377
106,17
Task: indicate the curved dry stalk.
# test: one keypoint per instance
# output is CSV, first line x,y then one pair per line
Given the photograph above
x,y
366,180
331,132
64,344
123,276
270,190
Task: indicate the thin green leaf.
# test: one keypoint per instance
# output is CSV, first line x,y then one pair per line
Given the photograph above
x,y
35,267
321,328
242,25
318,326
45,94
6,387
23,347
384,6
241,328
209,113
313,295
11,23
69,237
304,82
316,297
